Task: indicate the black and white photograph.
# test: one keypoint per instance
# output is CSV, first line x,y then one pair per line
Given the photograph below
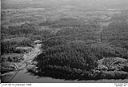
x,y
64,41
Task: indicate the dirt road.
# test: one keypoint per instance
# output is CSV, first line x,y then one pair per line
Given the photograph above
x,y
22,66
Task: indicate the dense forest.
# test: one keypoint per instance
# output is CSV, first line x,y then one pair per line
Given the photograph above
x,y
79,53
92,47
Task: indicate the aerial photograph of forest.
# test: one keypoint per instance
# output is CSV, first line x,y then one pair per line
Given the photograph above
x,y
74,41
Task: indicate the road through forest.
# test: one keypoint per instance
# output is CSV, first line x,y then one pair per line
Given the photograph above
x,y
22,66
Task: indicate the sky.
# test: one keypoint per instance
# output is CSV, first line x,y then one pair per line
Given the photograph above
x,y
87,3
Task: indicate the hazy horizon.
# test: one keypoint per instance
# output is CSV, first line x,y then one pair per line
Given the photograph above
x,y
103,4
